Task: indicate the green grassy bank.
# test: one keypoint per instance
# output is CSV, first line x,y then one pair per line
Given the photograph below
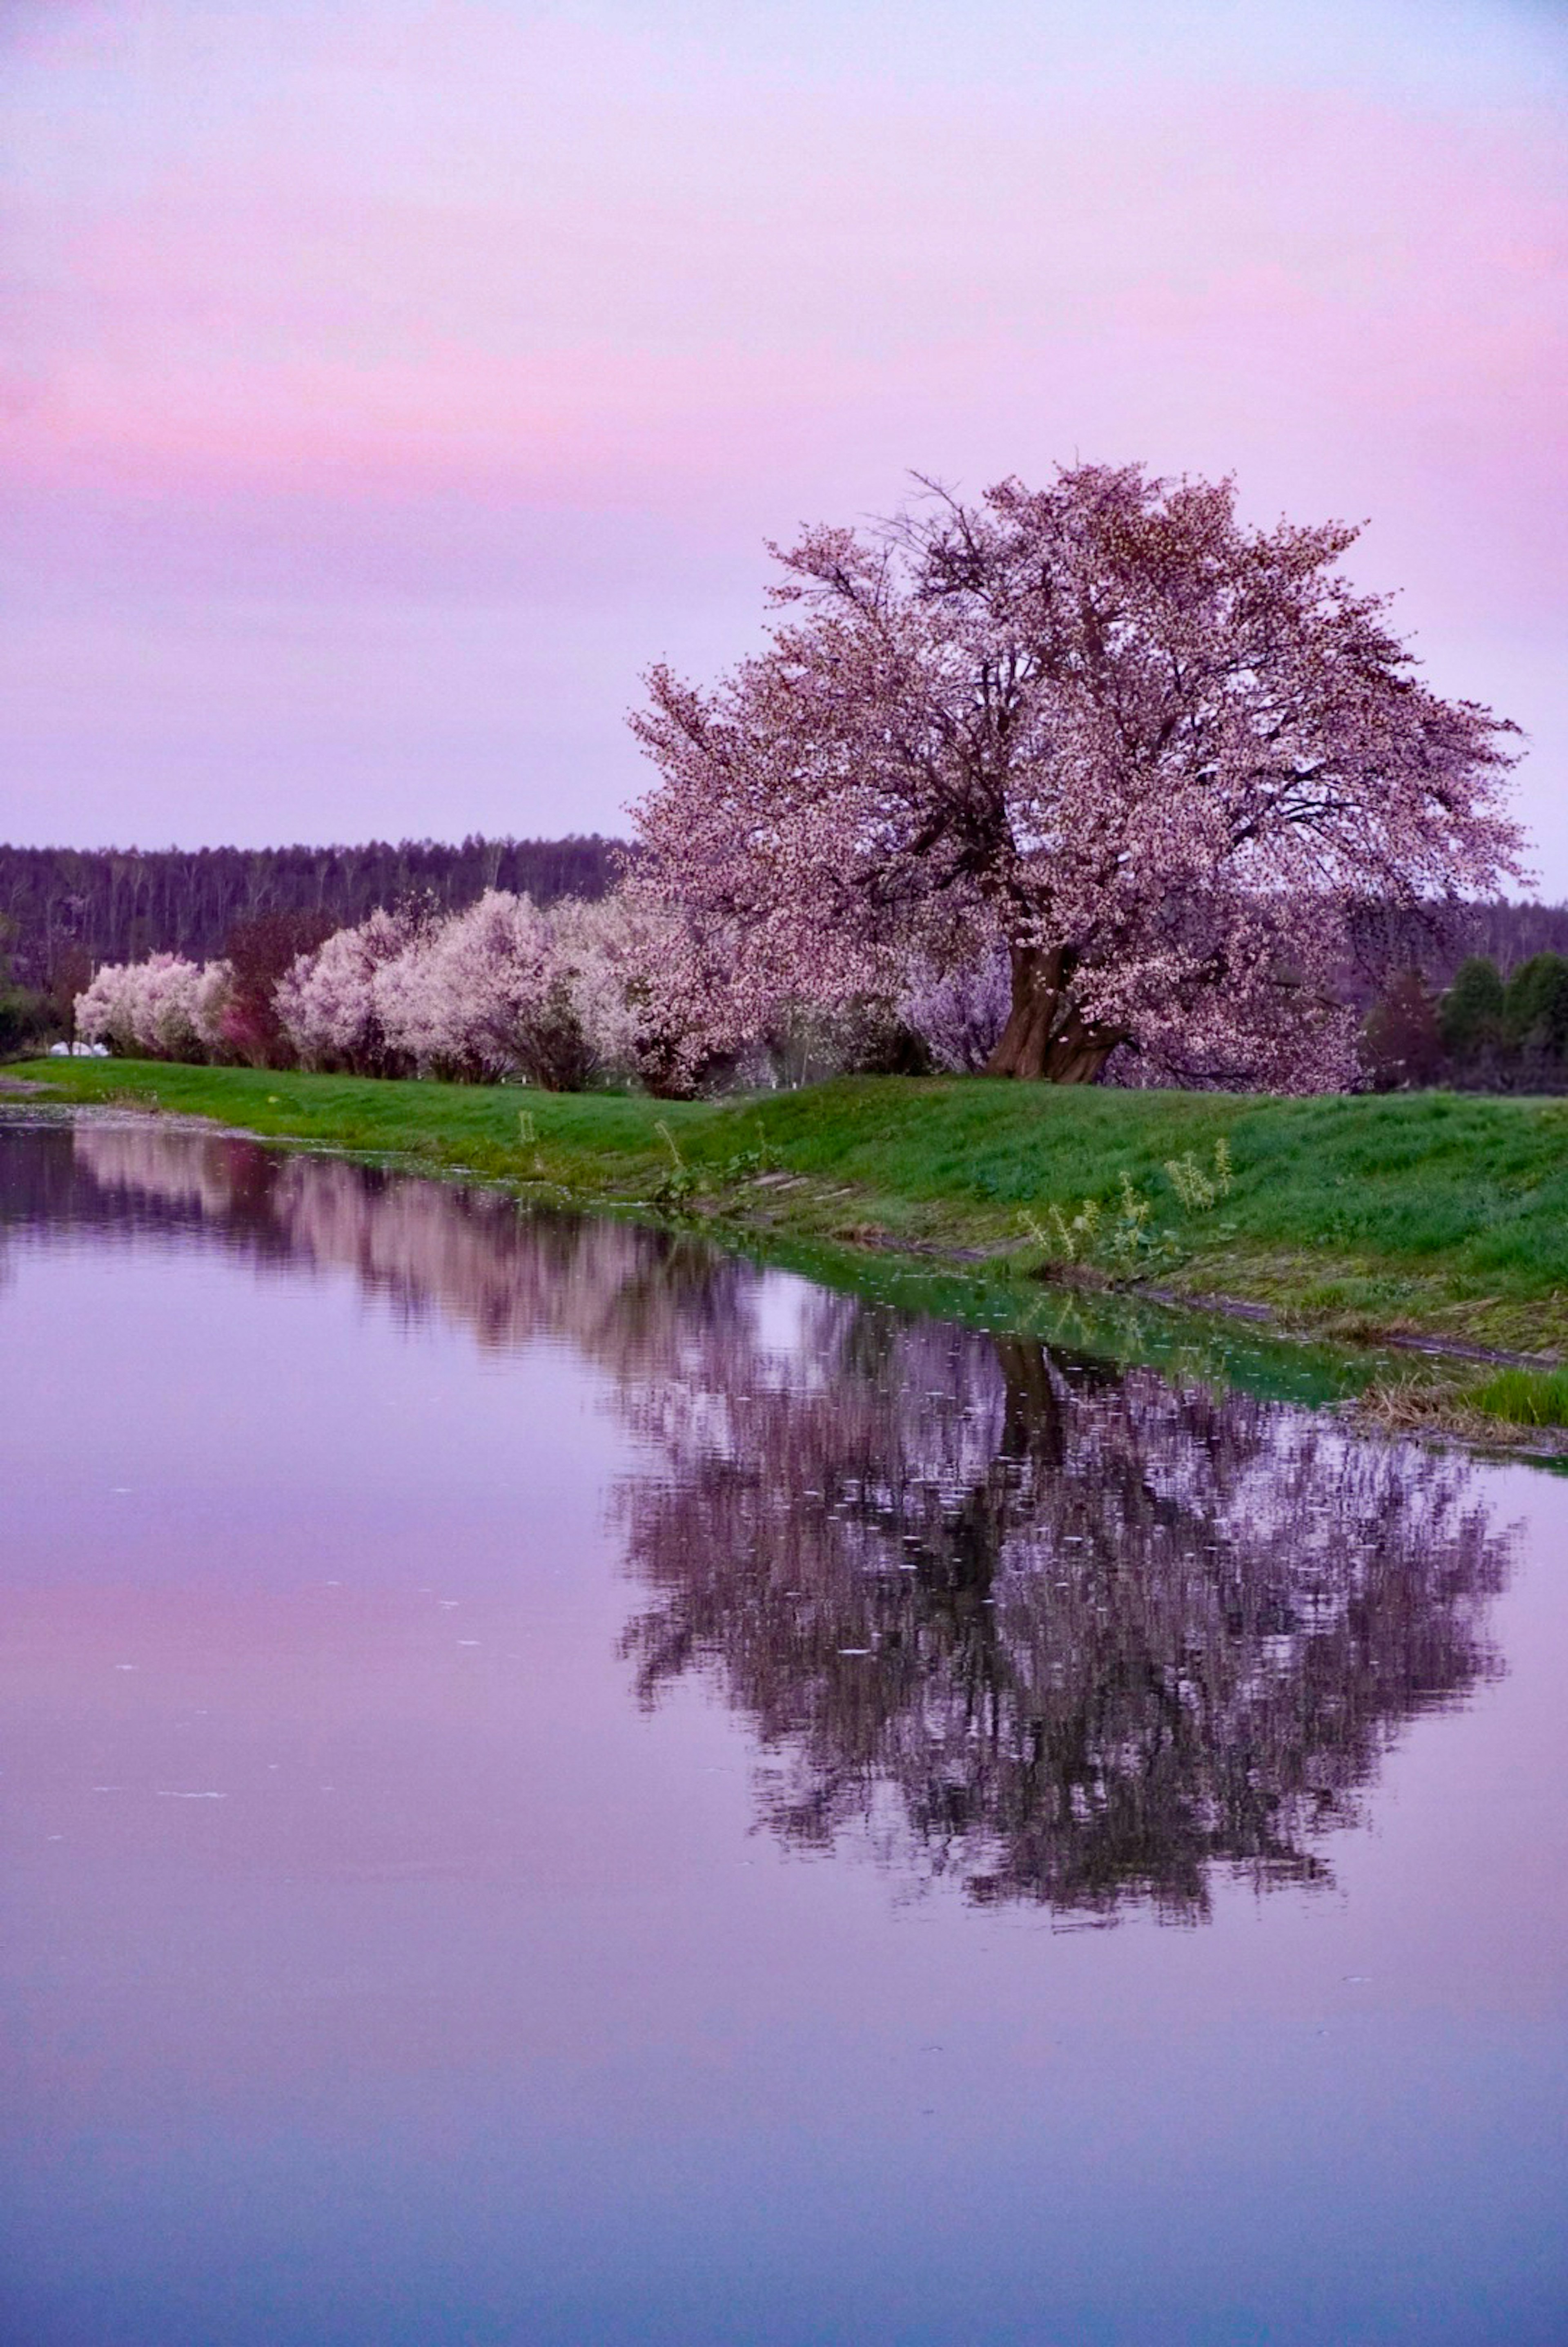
x,y
1428,1216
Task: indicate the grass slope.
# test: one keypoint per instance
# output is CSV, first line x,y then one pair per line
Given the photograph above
x,y
1415,1214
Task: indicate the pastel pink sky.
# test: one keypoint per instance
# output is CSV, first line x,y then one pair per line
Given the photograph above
x,y
384,387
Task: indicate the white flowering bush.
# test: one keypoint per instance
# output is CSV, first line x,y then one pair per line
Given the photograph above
x,y
165,1008
475,995
326,1000
608,953
554,994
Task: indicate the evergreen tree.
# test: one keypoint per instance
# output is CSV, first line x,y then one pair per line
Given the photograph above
x,y
1535,1009
1470,1015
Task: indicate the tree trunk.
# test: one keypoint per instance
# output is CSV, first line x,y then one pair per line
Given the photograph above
x,y
1046,1036
1033,1425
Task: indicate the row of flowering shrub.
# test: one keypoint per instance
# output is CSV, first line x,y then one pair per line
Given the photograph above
x,y
566,995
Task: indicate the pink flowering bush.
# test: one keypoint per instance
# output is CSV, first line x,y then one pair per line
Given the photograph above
x,y
960,1014
1165,759
698,1023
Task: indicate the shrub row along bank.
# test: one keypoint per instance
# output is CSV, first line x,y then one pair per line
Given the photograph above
x,y
566,997
1429,1215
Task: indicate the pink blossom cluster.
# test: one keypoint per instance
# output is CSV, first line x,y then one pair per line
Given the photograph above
x,y
958,1013
1160,759
163,1008
554,994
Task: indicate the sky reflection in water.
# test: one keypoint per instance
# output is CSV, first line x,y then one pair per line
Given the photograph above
x,y
551,1779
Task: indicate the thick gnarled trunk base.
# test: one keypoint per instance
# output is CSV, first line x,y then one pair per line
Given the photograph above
x,y
1045,1038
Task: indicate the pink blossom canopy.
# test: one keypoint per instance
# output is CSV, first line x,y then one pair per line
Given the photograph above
x,y
1163,758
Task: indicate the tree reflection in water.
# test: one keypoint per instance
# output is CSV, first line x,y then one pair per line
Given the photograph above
x,y
1065,1635
1054,1633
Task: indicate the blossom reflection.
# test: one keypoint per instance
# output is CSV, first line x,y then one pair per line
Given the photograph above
x,y
1001,1617
1065,1635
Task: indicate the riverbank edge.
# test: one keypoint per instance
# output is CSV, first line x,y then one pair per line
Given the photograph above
x,y
675,1165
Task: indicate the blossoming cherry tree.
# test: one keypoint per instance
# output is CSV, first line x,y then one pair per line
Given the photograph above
x,y
1161,758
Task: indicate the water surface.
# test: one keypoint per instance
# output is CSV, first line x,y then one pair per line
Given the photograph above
x,y
557,1786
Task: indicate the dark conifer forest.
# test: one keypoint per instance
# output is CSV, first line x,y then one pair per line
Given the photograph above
x,y
63,910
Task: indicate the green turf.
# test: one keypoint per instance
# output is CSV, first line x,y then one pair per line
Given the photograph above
x,y
1427,1212
1526,1396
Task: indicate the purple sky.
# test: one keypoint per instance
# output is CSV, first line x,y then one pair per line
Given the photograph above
x,y
384,386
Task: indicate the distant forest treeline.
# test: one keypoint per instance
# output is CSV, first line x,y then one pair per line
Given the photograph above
x,y
1505,934
63,907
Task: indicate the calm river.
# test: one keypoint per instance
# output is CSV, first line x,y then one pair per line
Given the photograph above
x,y
557,1786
